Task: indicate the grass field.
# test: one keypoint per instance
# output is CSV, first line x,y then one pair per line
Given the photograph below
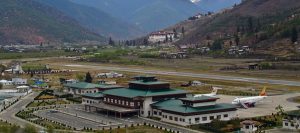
x,y
176,81
9,128
193,65
53,53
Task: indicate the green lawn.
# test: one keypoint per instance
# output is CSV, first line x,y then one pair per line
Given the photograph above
x,y
8,128
46,103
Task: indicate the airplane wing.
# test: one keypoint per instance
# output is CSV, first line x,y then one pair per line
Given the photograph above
x,y
244,105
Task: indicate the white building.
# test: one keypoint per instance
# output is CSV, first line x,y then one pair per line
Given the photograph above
x,y
249,126
160,36
6,82
109,75
196,83
19,81
15,69
192,110
71,81
82,88
292,120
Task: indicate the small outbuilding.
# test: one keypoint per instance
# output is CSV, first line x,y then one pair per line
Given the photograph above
x,y
292,120
249,126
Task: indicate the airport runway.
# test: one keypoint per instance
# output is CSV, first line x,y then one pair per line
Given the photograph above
x,y
266,107
195,75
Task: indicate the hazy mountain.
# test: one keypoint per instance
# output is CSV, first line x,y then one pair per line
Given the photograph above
x,y
215,5
149,15
95,19
28,22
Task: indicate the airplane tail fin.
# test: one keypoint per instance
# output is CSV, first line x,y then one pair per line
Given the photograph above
x,y
215,90
263,92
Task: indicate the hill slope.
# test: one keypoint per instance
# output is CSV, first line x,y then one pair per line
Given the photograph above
x,y
27,22
265,25
95,19
149,15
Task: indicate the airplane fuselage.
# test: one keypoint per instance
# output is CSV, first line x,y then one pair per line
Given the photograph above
x,y
248,100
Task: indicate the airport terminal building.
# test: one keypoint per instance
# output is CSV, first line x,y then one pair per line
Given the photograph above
x,y
148,97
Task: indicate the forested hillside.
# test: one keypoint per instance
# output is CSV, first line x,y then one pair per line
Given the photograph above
x,y
268,26
28,22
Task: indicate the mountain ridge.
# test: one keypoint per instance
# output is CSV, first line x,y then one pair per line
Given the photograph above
x,y
131,11
28,22
95,20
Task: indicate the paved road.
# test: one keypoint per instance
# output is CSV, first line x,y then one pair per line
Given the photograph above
x,y
195,75
9,113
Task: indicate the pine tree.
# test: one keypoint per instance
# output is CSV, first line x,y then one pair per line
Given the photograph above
x,y
217,45
237,40
250,24
175,33
111,42
182,30
167,38
146,41
88,78
127,43
294,35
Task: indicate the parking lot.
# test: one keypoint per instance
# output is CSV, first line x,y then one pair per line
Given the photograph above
x,y
70,120
75,116
266,107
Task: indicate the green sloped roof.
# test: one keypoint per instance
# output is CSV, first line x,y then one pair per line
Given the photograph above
x,y
293,113
85,85
93,95
176,105
131,93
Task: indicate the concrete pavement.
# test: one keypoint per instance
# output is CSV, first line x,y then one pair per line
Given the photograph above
x,y
9,114
195,75
265,107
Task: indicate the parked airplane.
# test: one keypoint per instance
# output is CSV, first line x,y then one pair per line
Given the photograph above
x,y
212,94
247,102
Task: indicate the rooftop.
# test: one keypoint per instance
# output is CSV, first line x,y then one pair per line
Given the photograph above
x,y
199,99
250,122
131,93
176,105
293,113
93,95
85,85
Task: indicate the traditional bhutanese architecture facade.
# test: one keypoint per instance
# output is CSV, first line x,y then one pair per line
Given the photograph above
x,y
92,98
160,36
192,110
141,93
148,97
